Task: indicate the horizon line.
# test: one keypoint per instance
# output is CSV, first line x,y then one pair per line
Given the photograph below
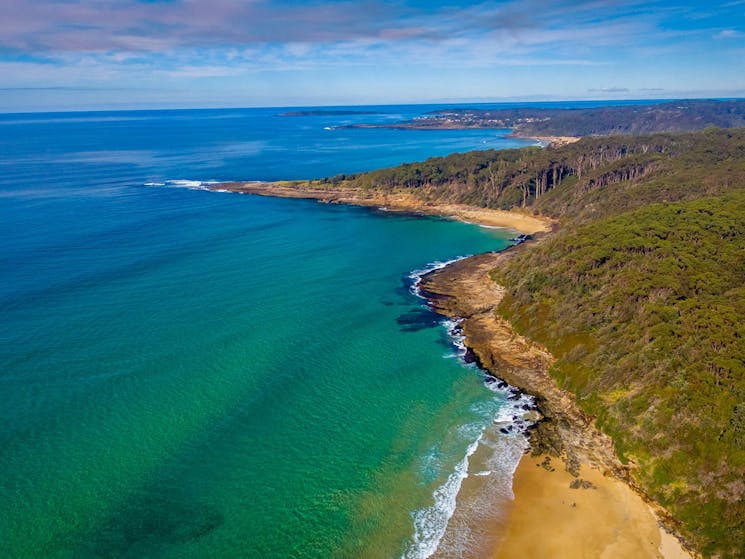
x,y
465,101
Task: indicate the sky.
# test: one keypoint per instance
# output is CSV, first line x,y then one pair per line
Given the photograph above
x,y
123,54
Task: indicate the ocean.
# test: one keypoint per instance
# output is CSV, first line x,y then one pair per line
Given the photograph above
x,y
186,373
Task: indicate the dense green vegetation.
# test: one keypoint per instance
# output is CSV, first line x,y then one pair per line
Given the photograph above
x,y
645,314
675,116
640,295
573,179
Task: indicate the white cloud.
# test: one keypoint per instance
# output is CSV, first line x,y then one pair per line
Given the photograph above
x,y
729,34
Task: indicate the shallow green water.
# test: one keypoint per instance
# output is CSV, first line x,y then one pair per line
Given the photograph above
x,y
254,381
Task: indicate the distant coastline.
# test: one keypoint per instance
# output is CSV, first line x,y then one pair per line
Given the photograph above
x,y
543,140
540,122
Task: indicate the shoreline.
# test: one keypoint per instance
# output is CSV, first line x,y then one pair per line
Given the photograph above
x,y
543,141
549,141
463,290
395,202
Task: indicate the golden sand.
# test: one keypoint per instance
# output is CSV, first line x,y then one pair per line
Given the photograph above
x,y
608,520
557,141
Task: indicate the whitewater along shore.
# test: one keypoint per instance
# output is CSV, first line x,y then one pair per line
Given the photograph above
x,y
573,497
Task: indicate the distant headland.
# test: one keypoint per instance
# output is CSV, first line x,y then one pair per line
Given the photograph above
x,y
536,122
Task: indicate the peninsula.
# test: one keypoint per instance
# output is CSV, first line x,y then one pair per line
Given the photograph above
x,y
563,125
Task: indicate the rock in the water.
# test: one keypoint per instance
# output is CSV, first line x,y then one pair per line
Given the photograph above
x,y
469,356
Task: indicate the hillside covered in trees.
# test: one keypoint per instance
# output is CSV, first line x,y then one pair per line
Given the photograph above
x,y
572,180
674,116
640,295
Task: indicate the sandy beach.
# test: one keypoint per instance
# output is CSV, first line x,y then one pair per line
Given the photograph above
x,y
555,141
592,516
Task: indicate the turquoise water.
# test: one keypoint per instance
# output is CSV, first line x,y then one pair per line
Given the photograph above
x,y
194,374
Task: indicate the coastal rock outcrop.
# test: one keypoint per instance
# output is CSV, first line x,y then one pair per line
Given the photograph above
x,y
464,290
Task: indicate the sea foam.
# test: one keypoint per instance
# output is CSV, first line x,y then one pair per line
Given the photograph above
x,y
502,431
192,184
430,522
417,275
184,183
